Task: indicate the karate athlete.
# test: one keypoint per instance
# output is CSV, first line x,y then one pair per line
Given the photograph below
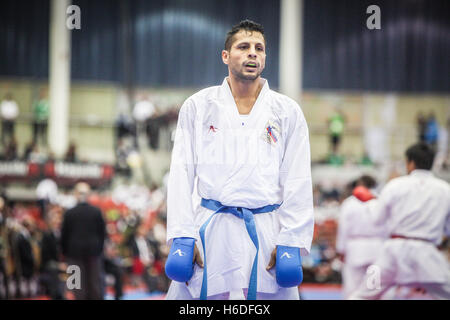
x,y
416,210
358,240
248,146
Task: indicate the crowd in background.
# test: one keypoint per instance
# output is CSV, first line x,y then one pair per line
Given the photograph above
x,y
9,111
145,118
157,126
135,249
32,256
27,235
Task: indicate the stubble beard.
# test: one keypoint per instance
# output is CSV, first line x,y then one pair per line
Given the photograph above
x,y
245,77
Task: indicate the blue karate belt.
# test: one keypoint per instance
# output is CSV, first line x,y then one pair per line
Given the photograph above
x,y
241,213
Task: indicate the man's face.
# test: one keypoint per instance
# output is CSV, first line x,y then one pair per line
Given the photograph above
x,y
55,222
247,57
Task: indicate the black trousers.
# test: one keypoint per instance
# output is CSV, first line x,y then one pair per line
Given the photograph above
x,y
116,271
49,278
40,130
4,281
91,270
7,130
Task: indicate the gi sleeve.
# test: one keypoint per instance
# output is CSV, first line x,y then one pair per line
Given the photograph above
x,y
296,214
447,219
447,226
342,231
180,211
381,213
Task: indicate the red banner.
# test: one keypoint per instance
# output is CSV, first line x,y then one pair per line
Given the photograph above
x,y
63,173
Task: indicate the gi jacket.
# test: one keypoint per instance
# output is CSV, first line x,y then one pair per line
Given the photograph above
x,y
249,162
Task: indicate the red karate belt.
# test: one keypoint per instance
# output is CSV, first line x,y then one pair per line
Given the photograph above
x,y
398,236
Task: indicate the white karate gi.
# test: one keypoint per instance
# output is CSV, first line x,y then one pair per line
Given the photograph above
x,y
414,206
359,240
238,164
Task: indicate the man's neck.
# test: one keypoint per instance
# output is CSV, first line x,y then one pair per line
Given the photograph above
x,y
245,92
245,89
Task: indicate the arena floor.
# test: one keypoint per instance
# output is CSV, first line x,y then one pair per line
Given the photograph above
x,y
308,292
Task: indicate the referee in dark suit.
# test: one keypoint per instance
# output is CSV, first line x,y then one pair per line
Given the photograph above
x,y
82,239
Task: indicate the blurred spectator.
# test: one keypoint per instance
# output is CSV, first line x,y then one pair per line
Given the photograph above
x,y
143,257
159,229
365,160
51,265
41,109
9,112
154,126
157,197
432,131
143,110
3,252
32,154
46,192
27,262
123,150
336,124
446,146
125,127
82,238
421,126
324,273
28,150
129,224
71,154
441,159
113,267
11,150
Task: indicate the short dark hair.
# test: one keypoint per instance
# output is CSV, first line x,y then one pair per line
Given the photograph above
x,y
367,181
246,25
422,154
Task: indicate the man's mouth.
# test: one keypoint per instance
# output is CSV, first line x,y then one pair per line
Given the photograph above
x,y
251,65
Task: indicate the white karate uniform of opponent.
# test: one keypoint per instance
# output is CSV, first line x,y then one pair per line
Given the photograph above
x,y
358,240
238,164
412,206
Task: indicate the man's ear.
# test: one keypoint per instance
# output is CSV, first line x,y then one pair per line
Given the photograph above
x,y
410,165
225,56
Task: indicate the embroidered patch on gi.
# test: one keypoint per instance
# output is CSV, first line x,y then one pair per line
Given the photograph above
x,y
212,128
271,133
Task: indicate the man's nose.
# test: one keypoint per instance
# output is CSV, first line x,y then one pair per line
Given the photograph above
x,y
252,53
